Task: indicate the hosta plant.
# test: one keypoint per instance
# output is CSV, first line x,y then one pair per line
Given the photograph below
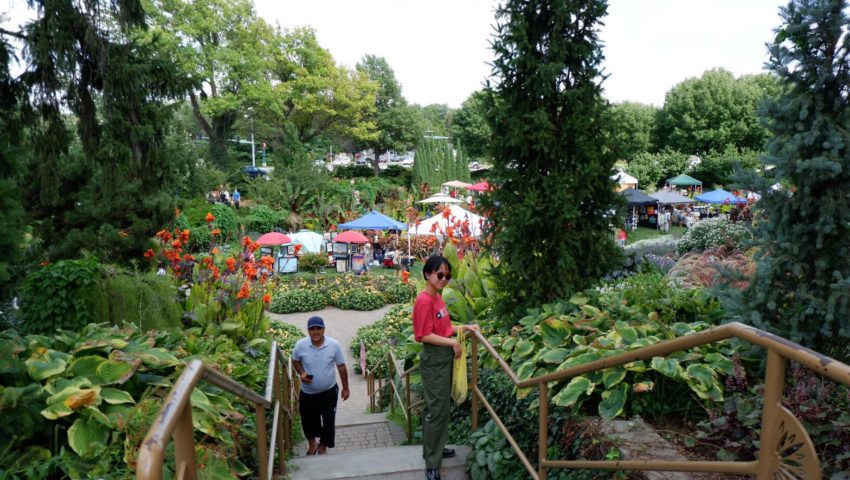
x,y
642,310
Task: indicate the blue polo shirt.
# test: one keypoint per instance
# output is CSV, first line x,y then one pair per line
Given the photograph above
x,y
320,362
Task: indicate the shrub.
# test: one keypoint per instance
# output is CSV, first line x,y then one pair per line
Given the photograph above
x,y
286,335
297,300
262,219
312,262
60,296
225,220
398,292
357,299
382,336
713,233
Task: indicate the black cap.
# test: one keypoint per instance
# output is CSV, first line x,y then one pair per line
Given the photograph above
x,y
315,322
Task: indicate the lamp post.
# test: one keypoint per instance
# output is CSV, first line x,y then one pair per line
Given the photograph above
x,y
250,115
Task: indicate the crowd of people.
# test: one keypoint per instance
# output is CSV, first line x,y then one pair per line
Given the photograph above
x,y
222,195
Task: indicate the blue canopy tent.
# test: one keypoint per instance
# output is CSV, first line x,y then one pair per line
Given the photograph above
x,y
373,220
720,196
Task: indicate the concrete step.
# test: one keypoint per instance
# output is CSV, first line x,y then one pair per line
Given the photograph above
x,y
385,463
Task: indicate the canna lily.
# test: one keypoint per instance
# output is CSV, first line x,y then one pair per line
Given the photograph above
x,y
210,217
231,264
245,291
150,254
267,299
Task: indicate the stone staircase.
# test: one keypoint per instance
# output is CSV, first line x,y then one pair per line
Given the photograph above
x,y
368,447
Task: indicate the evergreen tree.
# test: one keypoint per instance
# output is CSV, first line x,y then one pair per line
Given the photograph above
x,y
553,192
107,189
802,286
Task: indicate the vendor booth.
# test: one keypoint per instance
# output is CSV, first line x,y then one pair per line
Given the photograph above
x,y
374,220
720,197
643,209
347,252
624,181
285,261
438,224
687,182
311,242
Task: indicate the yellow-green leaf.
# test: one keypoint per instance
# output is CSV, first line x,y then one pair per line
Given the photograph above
x,y
113,396
86,437
569,395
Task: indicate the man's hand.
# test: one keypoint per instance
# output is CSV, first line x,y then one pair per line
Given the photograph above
x,y
345,394
456,348
305,379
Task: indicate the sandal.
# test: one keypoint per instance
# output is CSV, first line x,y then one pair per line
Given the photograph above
x,y
312,450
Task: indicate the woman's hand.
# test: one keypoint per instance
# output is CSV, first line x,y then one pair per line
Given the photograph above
x,y
471,328
456,347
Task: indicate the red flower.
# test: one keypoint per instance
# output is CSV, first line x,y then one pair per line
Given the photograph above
x,y
210,217
184,236
405,276
245,291
333,228
215,273
164,236
215,231
447,213
267,262
188,258
231,264
44,263
150,254
267,299
176,244
246,241
215,251
297,249
250,270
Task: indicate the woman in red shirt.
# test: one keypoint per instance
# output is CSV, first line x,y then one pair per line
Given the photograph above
x,y
432,326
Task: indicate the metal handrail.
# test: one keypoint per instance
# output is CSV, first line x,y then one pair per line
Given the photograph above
x,y
406,407
778,426
175,419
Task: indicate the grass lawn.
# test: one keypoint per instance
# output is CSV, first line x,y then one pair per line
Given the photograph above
x,y
644,233
331,272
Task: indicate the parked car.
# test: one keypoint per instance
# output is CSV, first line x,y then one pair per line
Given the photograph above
x,y
253,172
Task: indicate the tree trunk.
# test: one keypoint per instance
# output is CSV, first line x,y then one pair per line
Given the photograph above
x,y
377,161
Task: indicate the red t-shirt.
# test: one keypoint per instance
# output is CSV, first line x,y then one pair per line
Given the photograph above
x,y
431,316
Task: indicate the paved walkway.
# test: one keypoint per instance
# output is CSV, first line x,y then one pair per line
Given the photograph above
x,y
353,431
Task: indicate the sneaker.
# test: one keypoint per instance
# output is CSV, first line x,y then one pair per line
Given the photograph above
x,y
448,452
432,474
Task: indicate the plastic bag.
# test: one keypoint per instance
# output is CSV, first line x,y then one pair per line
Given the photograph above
x,y
459,382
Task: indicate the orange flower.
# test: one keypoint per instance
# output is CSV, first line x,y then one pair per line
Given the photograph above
x,y
184,236
210,217
447,213
246,241
267,299
254,246
207,262
188,258
44,263
245,291
250,270
150,254
297,249
267,262
176,244
333,228
215,273
215,231
215,251
231,264
164,236
405,276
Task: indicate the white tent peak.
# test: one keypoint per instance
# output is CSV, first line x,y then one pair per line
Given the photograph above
x,y
622,177
458,214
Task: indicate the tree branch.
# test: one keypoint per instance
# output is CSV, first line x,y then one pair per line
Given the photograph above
x,y
10,33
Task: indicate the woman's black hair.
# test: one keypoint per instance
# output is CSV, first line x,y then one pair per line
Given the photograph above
x,y
433,264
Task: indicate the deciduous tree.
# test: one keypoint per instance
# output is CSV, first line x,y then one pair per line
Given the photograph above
x,y
469,126
632,126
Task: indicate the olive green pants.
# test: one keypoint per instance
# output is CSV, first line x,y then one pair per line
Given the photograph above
x,y
435,364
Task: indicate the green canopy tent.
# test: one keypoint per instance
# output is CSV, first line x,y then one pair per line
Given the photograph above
x,y
685,181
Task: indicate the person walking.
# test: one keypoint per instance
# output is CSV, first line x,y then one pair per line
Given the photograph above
x,y
236,197
432,327
315,358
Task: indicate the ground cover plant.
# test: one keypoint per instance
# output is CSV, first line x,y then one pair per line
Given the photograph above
x,y
714,233
348,292
387,334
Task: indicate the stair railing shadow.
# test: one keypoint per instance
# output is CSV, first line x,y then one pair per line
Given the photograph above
x,y
785,448
175,419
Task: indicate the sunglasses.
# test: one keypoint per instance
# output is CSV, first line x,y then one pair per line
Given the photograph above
x,y
441,276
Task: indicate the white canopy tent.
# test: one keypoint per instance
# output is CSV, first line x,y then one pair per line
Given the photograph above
x,y
458,215
313,242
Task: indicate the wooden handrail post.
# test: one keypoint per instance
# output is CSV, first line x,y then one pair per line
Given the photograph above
x,y
281,421
380,394
474,381
543,426
262,443
184,444
774,385
407,408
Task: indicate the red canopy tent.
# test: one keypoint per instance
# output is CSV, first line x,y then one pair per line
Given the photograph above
x,y
350,236
479,187
274,238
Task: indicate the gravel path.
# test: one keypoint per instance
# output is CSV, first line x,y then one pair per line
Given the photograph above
x,y
342,325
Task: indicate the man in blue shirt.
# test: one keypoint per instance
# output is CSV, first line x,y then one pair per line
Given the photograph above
x,y
315,358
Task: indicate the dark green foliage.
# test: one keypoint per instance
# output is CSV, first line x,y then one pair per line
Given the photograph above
x,y
225,220
262,219
718,168
632,126
653,169
802,288
353,171
714,112
437,163
357,299
94,67
469,126
298,300
71,293
379,338
553,192
199,233
60,296
12,223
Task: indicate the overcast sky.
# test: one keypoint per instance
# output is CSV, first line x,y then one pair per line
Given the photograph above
x,y
440,49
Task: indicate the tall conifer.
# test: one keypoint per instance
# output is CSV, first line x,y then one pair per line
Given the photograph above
x,y
553,192
802,286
